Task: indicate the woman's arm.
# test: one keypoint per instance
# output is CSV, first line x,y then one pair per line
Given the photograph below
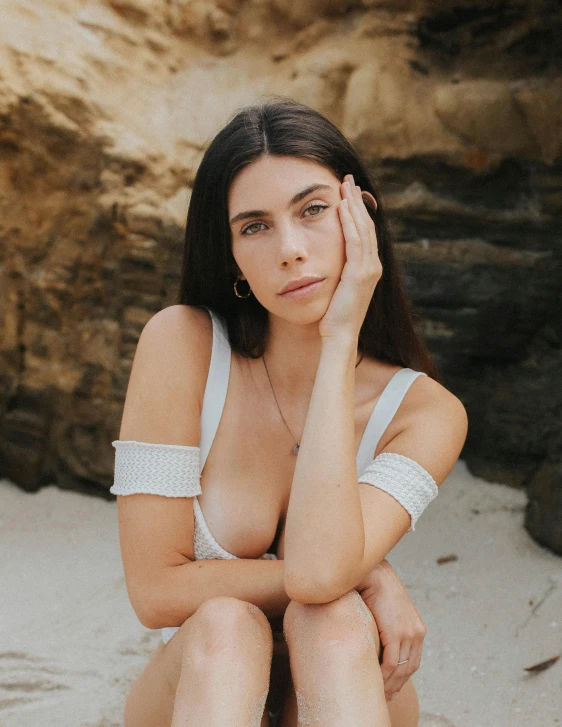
x,y
164,583
324,532
337,530
182,589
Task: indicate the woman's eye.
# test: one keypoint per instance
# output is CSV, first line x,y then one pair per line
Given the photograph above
x,y
254,224
316,206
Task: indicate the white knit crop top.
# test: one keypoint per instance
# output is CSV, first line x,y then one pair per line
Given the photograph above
x,y
175,470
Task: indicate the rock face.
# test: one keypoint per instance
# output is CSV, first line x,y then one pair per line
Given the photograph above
x,y
105,110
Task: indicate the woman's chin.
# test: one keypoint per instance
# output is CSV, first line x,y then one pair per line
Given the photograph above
x,y
309,316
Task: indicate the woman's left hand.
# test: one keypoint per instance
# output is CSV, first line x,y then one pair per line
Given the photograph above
x,y
400,626
362,269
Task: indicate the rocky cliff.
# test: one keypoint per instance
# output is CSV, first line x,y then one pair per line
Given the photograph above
x,y
105,110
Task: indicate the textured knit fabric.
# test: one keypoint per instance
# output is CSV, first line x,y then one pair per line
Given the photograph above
x,y
204,544
403,478
172,470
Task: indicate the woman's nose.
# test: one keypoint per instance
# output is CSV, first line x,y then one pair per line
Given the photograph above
x,y
291,247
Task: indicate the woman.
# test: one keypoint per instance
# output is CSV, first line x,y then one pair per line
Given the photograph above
x,y
329,432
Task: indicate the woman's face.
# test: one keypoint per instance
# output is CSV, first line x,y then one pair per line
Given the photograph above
x,y
285,225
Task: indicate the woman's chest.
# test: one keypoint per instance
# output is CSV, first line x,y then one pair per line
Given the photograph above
x,y
247,476
246,480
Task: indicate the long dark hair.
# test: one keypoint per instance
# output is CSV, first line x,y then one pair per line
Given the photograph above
x,y
283,127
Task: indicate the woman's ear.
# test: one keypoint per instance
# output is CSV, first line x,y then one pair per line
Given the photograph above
x,y
369,198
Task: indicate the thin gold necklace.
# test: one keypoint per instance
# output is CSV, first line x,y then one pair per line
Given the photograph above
x,y
298,444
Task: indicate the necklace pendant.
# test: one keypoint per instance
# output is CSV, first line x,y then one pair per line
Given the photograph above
x,y
296,448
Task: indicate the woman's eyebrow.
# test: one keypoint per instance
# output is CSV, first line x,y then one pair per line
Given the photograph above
x,y
297,198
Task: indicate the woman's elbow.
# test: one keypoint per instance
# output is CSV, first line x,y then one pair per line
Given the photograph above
x,y
150,621
310,590
147,609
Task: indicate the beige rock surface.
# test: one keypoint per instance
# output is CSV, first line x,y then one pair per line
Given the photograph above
x,y
106,107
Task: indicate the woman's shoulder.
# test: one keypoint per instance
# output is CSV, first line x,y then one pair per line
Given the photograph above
x,y
180,337
168,376
186,321
430,404
426,398
432,391
430,426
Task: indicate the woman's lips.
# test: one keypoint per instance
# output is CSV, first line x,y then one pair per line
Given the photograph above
x,y
303,292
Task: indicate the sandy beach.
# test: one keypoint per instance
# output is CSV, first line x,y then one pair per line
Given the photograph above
x,y
71,645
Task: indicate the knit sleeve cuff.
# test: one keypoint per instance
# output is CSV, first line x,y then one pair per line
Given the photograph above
x,y
403,478
172,470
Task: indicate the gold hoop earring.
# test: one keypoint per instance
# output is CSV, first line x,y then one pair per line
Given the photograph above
x,y
236,290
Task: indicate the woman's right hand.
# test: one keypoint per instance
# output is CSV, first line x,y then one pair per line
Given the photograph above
x,y
401,628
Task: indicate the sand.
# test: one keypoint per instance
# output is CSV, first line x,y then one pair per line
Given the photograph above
x,y
71,645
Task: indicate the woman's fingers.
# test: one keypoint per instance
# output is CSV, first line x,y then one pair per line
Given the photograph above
x,y
354,252
398,673
390,659
363,222
415,654
362,219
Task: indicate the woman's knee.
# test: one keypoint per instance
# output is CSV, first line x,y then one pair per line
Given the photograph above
x,y
223,622
344,623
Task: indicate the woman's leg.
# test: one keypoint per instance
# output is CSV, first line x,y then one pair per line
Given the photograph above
x,y
403,709
224,676
214,671
335,668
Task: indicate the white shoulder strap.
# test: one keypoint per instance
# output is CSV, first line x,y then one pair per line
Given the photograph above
x,y
216,386
383,413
